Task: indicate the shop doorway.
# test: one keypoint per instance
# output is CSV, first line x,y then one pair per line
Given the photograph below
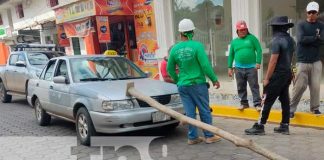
x,y
123,36
76,46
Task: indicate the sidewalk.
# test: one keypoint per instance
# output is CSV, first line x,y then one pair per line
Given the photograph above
x,y
227,95
225,101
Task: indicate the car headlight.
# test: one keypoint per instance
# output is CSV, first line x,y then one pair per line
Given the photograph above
x,y
117,105
175,98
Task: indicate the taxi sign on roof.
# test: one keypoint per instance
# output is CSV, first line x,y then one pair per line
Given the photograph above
x,y
110,53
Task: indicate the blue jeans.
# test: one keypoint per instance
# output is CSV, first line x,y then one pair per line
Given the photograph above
x,y
192,97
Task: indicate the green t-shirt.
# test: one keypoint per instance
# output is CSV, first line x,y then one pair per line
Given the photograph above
x,y
245,51
193,64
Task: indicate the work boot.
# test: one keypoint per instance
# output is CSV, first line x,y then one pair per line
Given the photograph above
x,y
283,129
243,106
257,129
212,139
316,112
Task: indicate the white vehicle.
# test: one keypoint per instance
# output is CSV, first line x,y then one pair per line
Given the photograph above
x,y
91,91
22,65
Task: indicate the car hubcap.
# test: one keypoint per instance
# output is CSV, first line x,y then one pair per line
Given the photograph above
x,y
38,111
82,126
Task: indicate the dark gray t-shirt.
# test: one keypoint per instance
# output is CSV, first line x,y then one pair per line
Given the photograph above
x,y
308,46
283,45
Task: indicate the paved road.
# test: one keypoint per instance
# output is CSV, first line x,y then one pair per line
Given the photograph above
x,y
22,138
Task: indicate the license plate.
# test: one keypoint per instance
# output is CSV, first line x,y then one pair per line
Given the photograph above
x,y
160,117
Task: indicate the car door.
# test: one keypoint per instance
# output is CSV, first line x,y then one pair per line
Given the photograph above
x,y
43,85
21,75
10,72
59,93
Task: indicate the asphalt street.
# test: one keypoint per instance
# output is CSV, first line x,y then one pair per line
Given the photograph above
x,y
21,138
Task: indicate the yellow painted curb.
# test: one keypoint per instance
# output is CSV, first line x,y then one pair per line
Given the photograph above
x,y
300,119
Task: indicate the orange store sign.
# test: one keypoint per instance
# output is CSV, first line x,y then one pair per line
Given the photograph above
x,y
62,38
103,29
80,28
75,11
114,7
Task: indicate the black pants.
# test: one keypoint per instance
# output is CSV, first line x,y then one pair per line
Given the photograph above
x,y
277,87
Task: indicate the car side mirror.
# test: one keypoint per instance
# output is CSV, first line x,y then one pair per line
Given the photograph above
x,y
21,64
148,74
61,80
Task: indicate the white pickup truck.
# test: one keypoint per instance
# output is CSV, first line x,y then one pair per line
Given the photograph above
x,y
23,64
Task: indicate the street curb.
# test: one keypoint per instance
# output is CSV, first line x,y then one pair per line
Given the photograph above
x,y
301,118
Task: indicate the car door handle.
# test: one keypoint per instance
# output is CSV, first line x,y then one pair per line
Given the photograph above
x,y
37,84
15,71
51,87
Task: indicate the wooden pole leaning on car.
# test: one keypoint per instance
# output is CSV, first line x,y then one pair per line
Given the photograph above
x,y
238,141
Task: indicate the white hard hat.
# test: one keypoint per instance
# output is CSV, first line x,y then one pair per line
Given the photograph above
x,y
186,25
312,6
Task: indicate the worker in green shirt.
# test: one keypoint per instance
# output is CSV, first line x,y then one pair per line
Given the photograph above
x,y
247,53
194,66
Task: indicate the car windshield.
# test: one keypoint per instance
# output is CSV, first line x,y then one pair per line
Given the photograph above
x,y
104,68
37,58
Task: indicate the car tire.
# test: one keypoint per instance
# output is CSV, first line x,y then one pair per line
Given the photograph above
x,y
43,119
4,97
84,126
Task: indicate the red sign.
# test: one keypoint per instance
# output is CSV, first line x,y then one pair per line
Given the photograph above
x,y
114,7
80,28
103,29
62,38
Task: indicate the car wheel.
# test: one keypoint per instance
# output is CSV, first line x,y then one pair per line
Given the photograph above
x,y
42,117
84,126
4,97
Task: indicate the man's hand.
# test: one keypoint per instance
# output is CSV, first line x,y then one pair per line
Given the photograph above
x,y
216,84
265,82
258,66
230,72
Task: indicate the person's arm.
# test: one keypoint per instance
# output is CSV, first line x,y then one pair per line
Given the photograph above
x,y
164,72
230,60
275,49
205,65
258,50
302,38
171,68
321,33
271,67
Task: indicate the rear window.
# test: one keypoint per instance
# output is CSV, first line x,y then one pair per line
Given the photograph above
x,y
41,58
38,58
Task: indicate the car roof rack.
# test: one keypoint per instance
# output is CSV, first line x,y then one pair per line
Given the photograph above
x,y
31,47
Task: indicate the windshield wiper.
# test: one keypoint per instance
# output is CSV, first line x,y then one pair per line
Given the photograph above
x,y
129,77
94,79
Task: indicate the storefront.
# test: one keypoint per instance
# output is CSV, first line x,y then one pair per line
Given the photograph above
x,y
126,26
214,21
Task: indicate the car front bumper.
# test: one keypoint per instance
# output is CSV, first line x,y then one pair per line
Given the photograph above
x,y
129,120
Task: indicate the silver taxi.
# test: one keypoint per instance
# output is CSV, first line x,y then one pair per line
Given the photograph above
x,y
91,91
